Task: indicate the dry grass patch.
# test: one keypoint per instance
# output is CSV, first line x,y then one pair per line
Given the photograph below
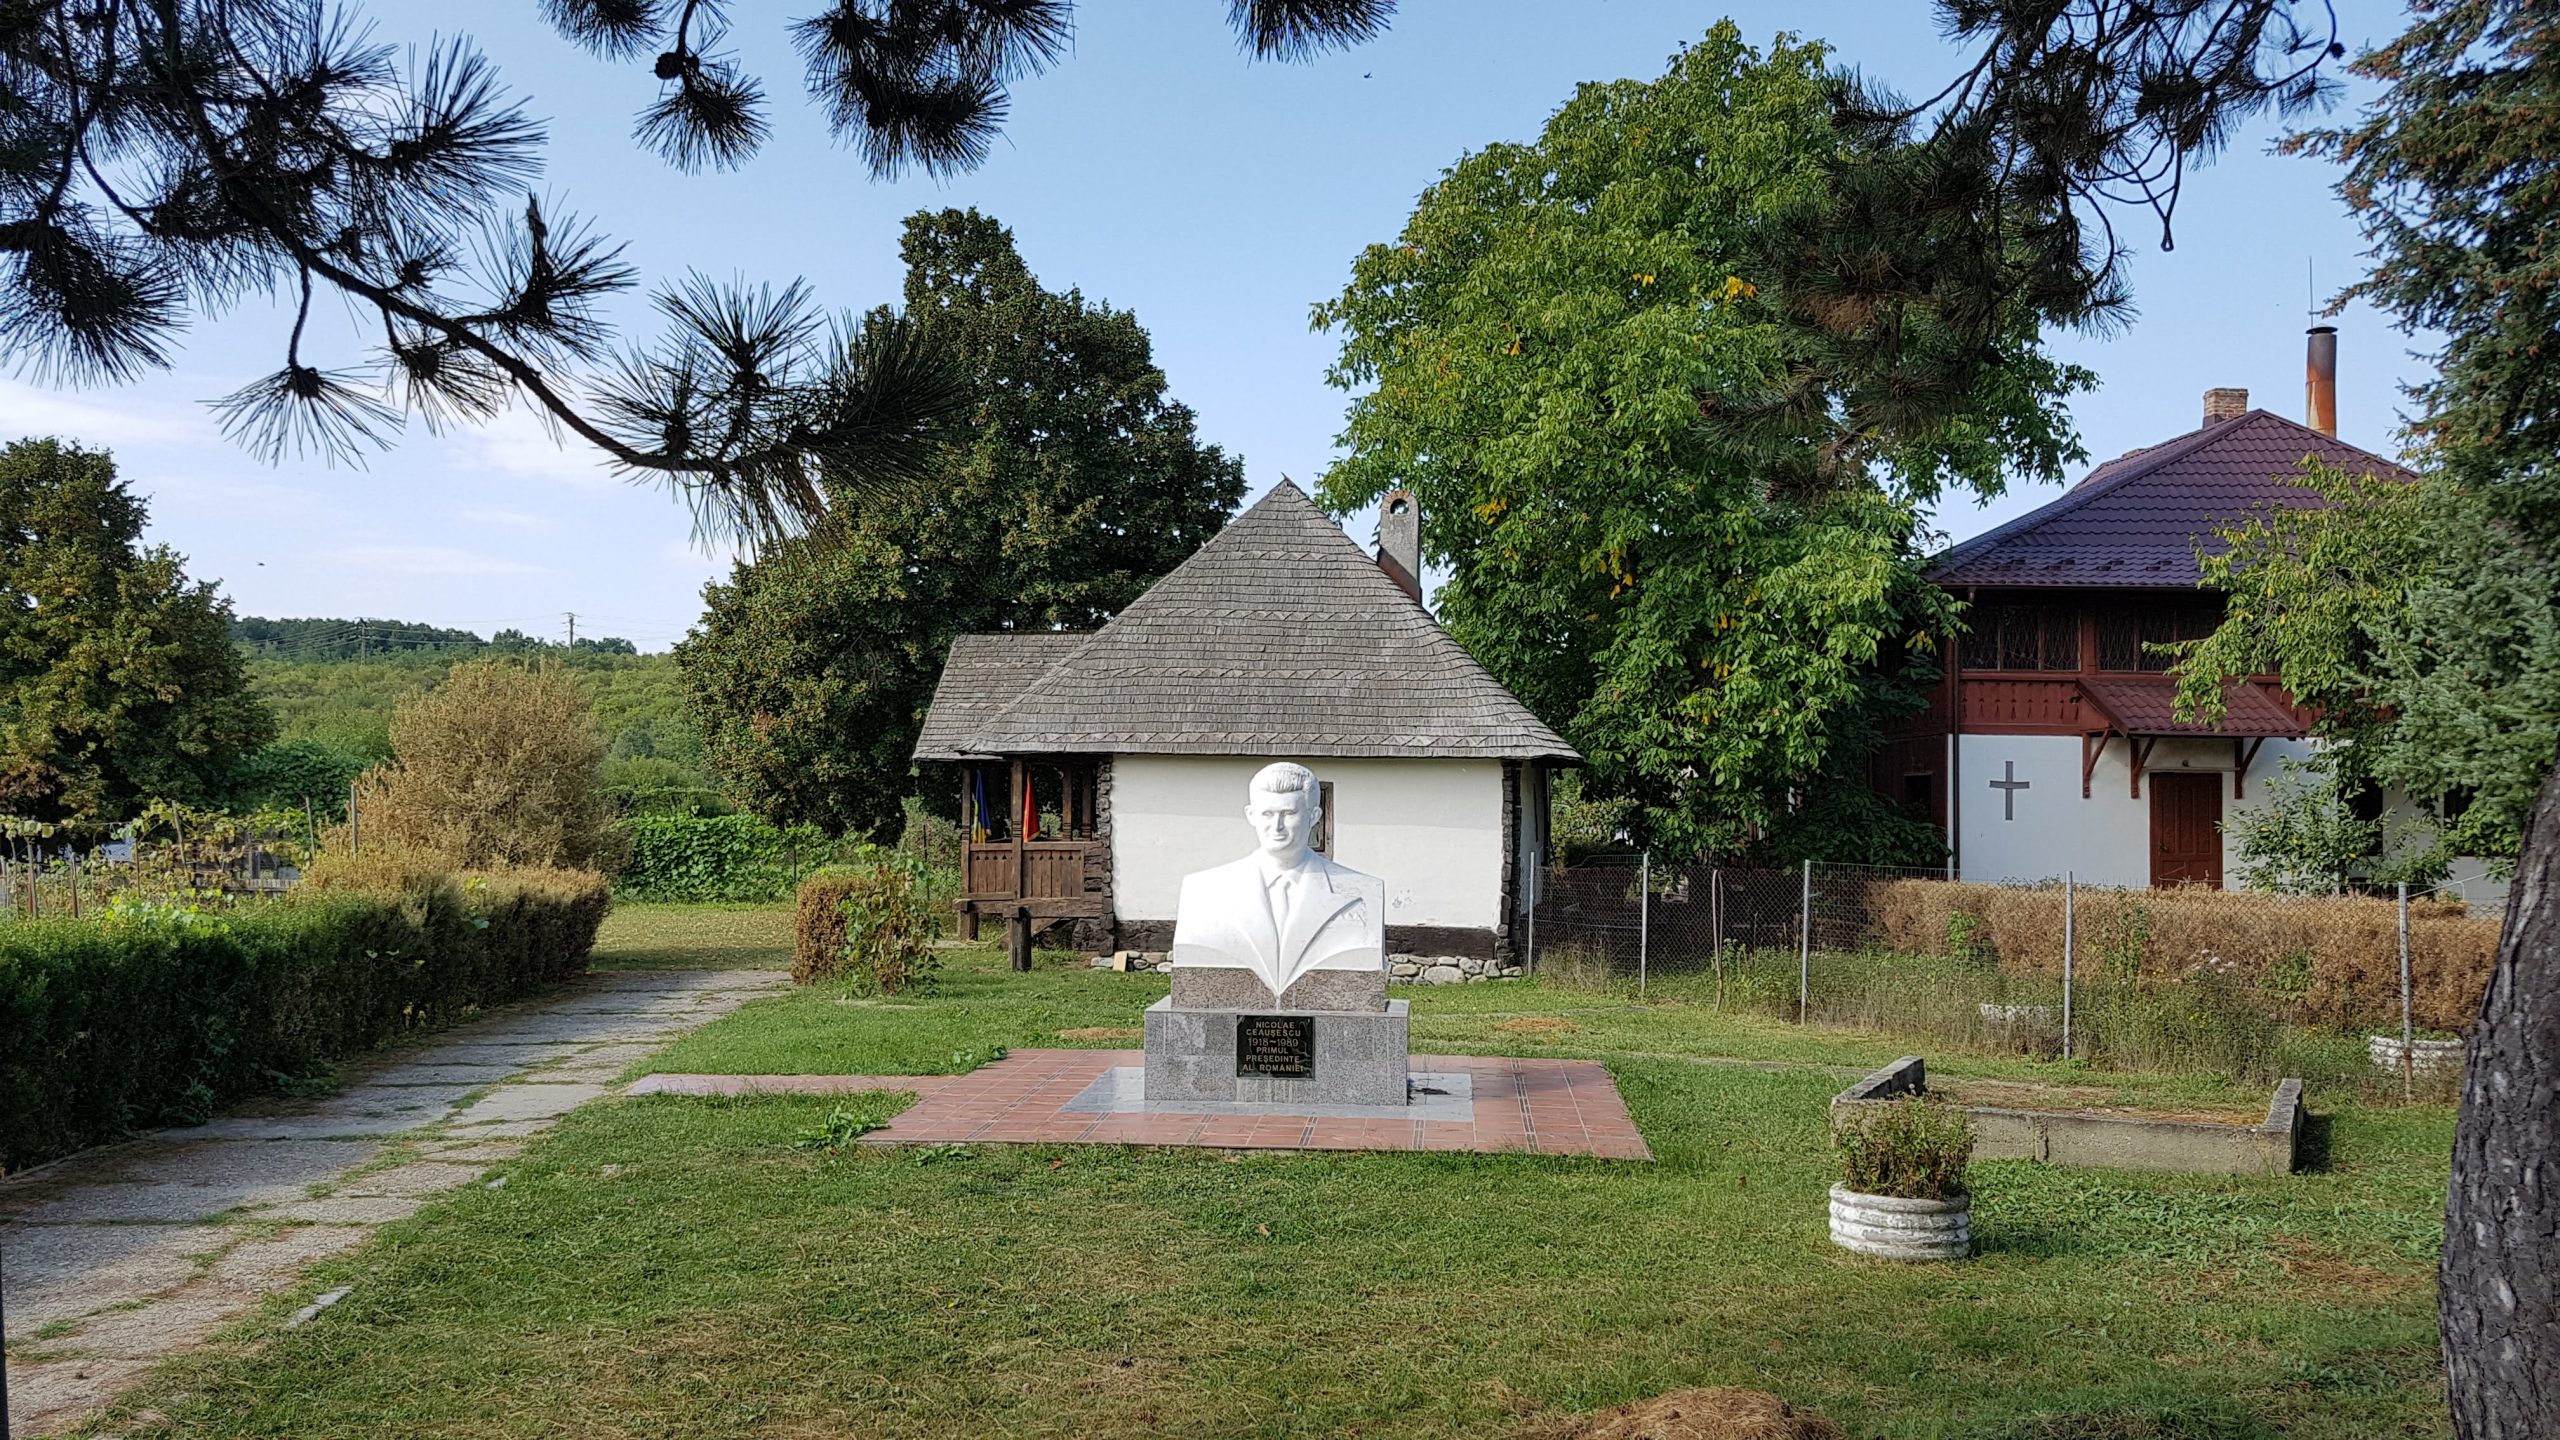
x,y
1104,1032
1720,1412
1537,1025
2323,1271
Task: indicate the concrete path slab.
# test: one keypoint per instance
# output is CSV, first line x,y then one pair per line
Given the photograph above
x,y
528,1100
126,1254
486,1072
188,1179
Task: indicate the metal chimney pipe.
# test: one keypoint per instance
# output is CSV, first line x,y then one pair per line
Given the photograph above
x,y
1400,540
2320,379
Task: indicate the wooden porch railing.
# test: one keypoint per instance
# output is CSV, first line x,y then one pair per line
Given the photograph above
x,y
1039,870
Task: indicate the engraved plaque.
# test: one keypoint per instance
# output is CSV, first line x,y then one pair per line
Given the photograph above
x,y
1275,1044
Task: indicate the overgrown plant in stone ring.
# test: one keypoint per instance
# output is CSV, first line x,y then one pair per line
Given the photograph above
x,y
1912,1148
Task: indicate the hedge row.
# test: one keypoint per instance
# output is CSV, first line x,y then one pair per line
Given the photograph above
x,y
112,1026
2329,959
716,857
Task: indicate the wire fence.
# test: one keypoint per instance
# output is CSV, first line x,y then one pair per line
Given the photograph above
x,y
224,865
2246,984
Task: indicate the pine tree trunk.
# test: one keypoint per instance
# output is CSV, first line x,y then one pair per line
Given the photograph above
x,y
2500,1304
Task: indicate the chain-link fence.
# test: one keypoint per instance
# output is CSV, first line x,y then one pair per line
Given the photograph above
x,y
2245,984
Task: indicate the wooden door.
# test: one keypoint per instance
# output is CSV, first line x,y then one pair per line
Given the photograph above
x,y
2186,828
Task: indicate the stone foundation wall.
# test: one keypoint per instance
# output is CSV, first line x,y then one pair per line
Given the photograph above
x,y
1448,969
1401,969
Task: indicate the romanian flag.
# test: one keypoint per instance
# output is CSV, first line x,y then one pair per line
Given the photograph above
x,y
978,810
1030,809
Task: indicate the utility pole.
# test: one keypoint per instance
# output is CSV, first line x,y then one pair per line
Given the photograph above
x,y
573,629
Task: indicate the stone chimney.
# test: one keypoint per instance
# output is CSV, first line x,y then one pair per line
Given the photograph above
x,y
2320,380
1400,541
2221,403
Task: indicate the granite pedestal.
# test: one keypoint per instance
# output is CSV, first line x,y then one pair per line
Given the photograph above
x,y
1351,1057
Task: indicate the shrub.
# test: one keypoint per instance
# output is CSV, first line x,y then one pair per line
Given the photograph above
x,y
1913,1147
499,767
724,857
869,922
162,1014
1964,944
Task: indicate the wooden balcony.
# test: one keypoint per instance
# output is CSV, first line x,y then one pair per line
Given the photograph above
x,y
2021,704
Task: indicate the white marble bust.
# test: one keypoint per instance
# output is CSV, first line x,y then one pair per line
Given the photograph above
x,y
1283,910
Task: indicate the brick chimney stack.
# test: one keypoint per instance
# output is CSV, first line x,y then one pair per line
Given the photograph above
x,y
2222,403
2320,380
1400,541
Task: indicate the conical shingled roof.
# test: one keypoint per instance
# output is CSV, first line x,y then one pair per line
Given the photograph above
x,y
2135,522
1280,636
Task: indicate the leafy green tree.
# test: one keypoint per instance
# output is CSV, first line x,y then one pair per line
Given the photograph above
x,y
1078,484
118,681
2418,630
1672,459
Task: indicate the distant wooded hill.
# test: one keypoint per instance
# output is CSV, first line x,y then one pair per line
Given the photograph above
x,y
332,685
325,640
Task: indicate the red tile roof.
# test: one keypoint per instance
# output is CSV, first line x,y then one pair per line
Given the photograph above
x,y
2142,705
2135,521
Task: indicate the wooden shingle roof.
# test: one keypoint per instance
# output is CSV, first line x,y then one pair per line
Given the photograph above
x,y
1281,636
2136,521
983,673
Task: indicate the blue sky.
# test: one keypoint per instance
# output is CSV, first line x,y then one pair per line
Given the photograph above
x,y
1158,169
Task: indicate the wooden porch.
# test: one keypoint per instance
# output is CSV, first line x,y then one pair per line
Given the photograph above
x,y
1034,855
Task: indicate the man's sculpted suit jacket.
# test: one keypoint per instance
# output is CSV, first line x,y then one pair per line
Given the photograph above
x,y
1334,919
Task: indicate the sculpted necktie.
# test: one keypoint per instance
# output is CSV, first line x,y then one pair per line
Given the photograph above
x,y
1283,895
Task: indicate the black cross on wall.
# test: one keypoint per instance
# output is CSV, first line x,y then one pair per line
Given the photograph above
x,y
2009,785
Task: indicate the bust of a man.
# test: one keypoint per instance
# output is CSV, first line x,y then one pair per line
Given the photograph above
x,y
1283,910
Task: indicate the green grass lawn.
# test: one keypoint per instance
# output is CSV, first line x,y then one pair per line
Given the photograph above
x,y
694,937
674,1267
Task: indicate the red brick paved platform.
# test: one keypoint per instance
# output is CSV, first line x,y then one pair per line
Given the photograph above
x,y
1542,1107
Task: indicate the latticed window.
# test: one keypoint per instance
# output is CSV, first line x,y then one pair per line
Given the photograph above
x,y
2126,633
2028,637
2061,639
2119,639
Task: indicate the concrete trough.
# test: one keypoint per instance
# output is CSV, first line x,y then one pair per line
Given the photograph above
x,y
2106,1139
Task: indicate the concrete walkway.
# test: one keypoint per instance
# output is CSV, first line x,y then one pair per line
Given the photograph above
x,y
116,1257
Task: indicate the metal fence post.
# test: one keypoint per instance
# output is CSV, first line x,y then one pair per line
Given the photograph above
x,y
1715,926
1644,919
2070,906
2408,1035
1804,949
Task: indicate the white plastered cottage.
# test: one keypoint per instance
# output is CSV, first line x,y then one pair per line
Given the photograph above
x,y
1097,769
